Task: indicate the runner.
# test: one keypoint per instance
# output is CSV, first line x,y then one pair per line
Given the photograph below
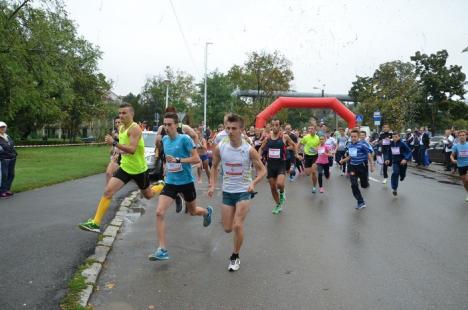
x,y
180,152
358,153
342,140
291,157
181,129
202,150
236,157
363,139
311,141
275,148
132,167
459,156
400,154
115,156
384,141
323,165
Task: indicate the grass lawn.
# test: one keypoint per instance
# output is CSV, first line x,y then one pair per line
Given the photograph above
x,y
38,167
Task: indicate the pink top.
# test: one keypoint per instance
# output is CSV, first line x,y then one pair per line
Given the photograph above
x,y
322,153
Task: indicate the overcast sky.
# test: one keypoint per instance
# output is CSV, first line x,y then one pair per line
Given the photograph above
x,y
328,42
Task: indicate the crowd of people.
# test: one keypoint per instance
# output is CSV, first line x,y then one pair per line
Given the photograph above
x,y
241,158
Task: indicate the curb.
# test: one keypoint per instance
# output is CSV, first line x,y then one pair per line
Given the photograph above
x,y
434,171
103,247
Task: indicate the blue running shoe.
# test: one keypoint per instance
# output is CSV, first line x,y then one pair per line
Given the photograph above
x,y
361,206
314,190
207,217
159,254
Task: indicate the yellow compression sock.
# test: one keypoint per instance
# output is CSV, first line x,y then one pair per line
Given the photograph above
x,y
102,209
157,188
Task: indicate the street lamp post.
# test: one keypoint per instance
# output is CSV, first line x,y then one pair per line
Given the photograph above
x,y
206,78
167,82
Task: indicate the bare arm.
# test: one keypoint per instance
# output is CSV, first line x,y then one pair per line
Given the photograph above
x,y
264,142
259,167
191,133
159,137
291,145
134,134
214,171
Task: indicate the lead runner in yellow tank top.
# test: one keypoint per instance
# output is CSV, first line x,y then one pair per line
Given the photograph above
x,y
132,167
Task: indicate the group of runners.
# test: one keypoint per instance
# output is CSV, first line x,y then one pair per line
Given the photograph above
x,y
242,158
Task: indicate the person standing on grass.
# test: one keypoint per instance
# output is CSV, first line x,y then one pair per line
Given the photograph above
x,y
132,167
7,162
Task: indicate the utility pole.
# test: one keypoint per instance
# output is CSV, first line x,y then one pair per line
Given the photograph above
x,y
206,78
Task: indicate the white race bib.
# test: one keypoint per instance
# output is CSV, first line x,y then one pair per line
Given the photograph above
x,y
463,153
233,169
321,150
174,167
396,150
386,142
352,152
257,142
313,150
274,153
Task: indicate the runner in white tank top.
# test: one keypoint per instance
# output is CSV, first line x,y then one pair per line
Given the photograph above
x,y
236,157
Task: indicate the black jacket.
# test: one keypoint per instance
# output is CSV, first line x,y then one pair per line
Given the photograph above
x,y
7,148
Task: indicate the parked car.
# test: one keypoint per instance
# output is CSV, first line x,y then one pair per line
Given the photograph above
x,y
88,139
435,140
154,164
436,152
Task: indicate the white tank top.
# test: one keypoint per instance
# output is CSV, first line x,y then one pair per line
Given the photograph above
x,y
237,166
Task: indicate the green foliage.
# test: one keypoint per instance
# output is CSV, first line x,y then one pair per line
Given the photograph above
x,y
410,94
48,74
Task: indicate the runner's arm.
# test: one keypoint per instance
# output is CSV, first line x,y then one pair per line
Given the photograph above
x,y
159,137
214,170
452,156
134,133
291,144
260,150
259,167
191,133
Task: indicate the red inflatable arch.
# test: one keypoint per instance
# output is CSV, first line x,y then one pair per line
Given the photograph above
x,y
305,103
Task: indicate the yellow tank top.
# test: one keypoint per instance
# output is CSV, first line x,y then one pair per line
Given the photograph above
x,y
132,163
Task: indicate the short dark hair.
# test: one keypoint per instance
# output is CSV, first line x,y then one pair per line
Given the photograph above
x,y
276,120
355,131
235,118
126,105
365,133
173,116
171,109
396,133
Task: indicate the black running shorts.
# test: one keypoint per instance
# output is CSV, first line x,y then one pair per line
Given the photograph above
x,y
187,190
141,179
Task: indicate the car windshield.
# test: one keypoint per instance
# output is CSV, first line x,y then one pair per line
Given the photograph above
x,y
436,138
149,139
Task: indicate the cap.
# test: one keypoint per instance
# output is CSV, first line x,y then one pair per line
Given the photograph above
x,y
408,130
3,124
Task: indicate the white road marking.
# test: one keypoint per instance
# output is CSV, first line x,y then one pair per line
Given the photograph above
x,y
375,180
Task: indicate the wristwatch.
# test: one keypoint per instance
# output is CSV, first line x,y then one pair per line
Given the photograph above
x,y
177,160
115,143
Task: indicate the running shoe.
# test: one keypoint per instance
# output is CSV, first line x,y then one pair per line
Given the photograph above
x,y
9,193
394,192
282,198
158,187
178,204
402,178
361,205
159,254
234,265
466,199
342,173
276,209
322,190
384,181
207,217
314,190
89,225
4,195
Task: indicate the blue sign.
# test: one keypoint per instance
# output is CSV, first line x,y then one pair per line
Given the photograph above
x,y
359,118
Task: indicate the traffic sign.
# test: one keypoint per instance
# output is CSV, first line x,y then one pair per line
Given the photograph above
x,y
376,123
359,118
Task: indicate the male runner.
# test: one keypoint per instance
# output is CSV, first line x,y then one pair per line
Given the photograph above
x,y
358,153
275,149
311,141
384,141
236,157
342,141
180,152
400,154
291,158
132,166
459,156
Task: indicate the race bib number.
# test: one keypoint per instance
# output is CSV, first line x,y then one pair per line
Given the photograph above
x,y
274,153
257,142
353,152
312,150
174,167
386,142
396,150
233,169
463,153
341,144
321,150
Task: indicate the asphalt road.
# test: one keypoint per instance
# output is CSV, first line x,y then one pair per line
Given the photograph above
x,y
408,252
40,243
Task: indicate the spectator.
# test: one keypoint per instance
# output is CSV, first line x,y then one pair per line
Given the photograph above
x,y
7,162
448,143
424,145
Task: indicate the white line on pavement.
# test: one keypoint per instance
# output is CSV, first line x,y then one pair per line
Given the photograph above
x,y
375,180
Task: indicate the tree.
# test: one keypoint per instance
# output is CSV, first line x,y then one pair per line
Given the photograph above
x,y
441,86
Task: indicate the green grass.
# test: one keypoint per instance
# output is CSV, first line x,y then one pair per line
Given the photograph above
x,y
42,166
75,286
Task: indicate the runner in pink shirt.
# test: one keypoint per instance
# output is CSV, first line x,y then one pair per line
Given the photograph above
x,y
323,165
